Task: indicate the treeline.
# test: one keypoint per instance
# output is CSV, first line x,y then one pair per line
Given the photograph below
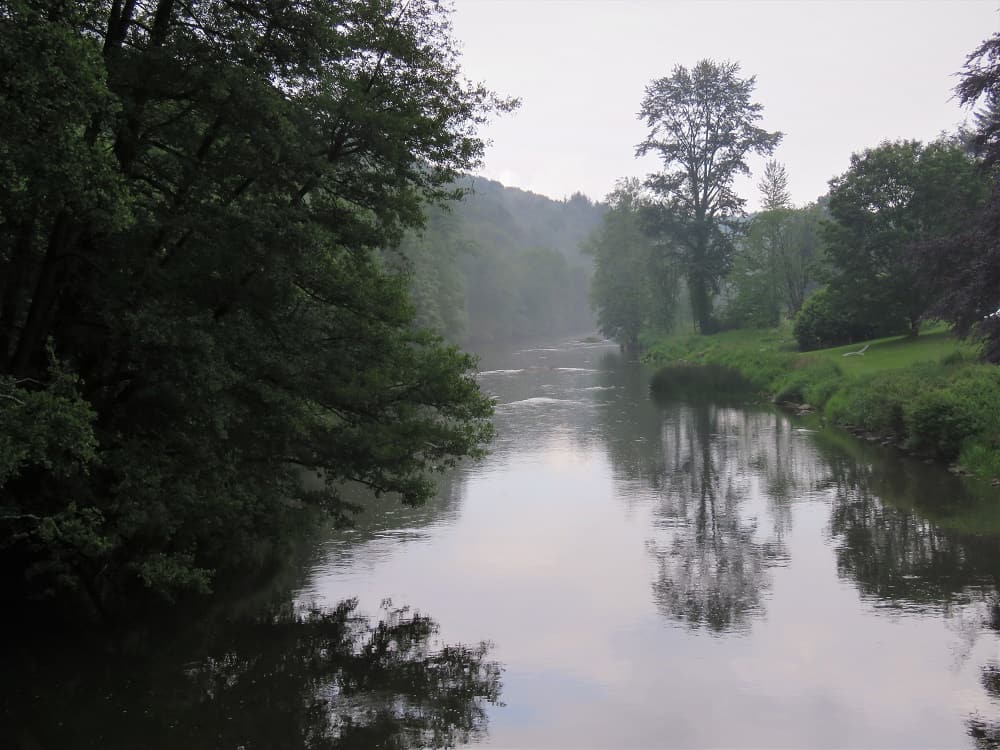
x,y
502,265
195,311
907,234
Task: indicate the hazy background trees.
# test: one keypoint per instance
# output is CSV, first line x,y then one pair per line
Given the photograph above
x,y
503,265
635,284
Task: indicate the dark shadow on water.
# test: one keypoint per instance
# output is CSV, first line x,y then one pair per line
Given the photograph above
x,y
327,679
710,382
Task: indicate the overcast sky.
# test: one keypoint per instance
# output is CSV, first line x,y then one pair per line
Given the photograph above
x,y
835,77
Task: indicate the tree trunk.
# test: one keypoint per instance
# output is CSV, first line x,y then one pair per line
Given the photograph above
x,y
45,296
701,303
11,296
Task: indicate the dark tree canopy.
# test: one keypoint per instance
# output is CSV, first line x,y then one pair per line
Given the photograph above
x,y
963,268
193,307
703,124
892,197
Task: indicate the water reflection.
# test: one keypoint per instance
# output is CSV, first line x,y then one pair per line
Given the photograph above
x,y
712,552
901,527
985,731
295,679
918,540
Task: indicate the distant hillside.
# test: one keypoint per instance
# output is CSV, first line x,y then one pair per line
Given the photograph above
x,y
503,264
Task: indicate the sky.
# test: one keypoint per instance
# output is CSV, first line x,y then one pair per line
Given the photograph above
x,y
834,77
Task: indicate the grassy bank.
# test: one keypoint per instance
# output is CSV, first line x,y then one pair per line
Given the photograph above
x,y
927,394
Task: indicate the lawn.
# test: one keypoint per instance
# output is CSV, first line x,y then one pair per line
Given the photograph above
x,y
897,352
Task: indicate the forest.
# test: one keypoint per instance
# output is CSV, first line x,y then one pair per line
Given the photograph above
x,y
502,265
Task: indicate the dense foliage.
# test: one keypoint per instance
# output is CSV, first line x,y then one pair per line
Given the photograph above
x,y
703,125
895,196
826,319
963,267
776,263
634,287
193,307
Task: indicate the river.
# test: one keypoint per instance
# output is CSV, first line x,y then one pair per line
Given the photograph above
x,y
618,572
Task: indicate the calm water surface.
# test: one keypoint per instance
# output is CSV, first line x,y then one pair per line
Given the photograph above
x,y
673,574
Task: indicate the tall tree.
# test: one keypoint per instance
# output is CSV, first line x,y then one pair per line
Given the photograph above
x,y
773,186
193,309
703,125
776,260
963,267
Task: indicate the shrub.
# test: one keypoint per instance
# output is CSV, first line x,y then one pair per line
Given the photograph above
x,y
826,321
812,381
878,403
940,420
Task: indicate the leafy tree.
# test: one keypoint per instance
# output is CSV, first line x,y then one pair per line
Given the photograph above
x,y
703,125
776,264
633,288
962,267
774,186
893,196
192,201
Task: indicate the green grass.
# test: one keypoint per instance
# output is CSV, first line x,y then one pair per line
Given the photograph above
x,y
927,392
897,352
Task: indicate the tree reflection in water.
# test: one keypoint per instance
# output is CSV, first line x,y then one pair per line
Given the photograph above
x,y
913,537
315,679
986,733
712,558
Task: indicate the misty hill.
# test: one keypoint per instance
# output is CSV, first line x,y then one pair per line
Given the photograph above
x,y
503,264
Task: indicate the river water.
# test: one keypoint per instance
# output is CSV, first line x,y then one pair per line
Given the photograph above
x,y
618,572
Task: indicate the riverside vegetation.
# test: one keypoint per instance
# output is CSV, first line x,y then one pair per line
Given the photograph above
x,y
900,254
927,394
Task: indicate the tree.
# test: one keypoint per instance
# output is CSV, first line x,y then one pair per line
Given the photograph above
x,y
632,288
785,245
703,125
776,257
963,267
193,197
892,197
774,186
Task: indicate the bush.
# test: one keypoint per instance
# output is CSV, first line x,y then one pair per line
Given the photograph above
x,y
825,321
811,382
939,421
879,403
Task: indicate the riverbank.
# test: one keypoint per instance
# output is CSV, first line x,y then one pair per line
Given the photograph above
x,y
926,394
